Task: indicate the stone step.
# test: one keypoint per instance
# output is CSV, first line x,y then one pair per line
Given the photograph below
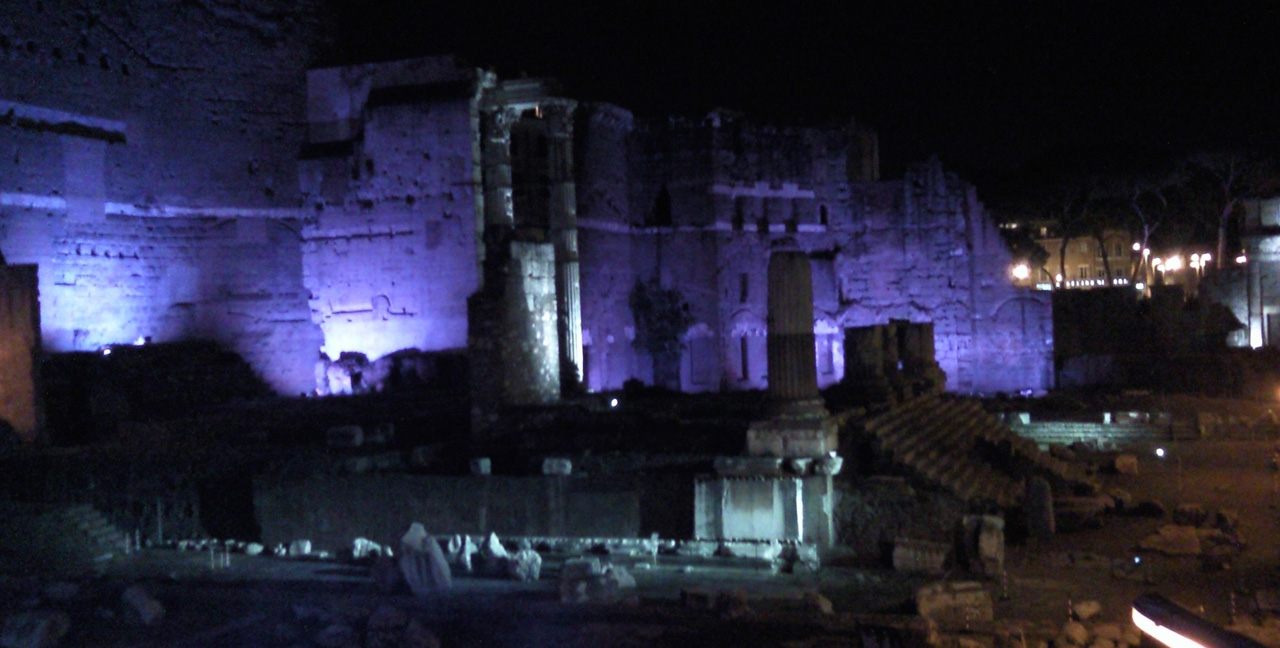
x,y
923,413
882,422
922,433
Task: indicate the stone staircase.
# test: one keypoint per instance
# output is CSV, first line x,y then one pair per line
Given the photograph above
x,y
955,444
37,538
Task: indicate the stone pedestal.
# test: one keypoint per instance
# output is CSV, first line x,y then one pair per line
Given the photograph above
x,y
789,436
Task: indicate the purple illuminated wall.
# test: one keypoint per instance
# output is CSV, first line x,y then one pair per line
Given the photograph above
x,y
150,172
174,182
390,245
919,249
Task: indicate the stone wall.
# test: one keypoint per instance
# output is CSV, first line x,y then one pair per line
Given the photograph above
x,y
390,253
706,201
332,511
150,173
176,184
20,351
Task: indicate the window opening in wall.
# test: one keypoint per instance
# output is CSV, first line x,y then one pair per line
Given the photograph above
x,y
793,225
744,283
739,213
743,354
1083,272
822,215
661,214
826,363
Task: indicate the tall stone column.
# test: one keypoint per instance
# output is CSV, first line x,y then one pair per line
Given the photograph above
x,y
563,219
798,426
793,378
495,133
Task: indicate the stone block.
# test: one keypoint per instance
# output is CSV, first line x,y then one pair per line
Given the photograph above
x,y
1173,540
1086,609
748,466
1126,464
981,544
525,566
955,604
920,556
792,437
559,466
299,548
422,562
363,548
831,464
1075,633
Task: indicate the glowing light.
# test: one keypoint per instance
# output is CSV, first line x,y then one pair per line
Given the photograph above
x,y
1160,267
1146,252
1242,259
106,351
140,341
1205,258
1137,247
1157,261
1159,452
1173,263
1021,272
613,402
1140,286
1057,278
1162,634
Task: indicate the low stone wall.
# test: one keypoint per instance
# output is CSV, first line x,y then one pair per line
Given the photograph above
x,y
333,510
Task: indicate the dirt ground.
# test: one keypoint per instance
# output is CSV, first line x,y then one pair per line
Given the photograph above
x,y
272,602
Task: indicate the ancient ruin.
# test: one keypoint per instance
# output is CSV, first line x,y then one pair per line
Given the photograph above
x,y
320,221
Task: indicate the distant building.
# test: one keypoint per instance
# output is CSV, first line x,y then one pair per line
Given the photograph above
x,y
1090,263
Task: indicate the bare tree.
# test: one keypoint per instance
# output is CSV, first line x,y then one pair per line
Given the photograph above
x,y
1231,175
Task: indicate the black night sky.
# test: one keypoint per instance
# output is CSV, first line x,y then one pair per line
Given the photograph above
x,y
993,89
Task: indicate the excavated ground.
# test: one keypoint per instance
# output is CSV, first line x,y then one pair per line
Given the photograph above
x,y
270,602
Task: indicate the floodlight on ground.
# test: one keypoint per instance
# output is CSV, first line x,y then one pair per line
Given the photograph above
x,y
613,402
1159,452
1021,272
1242,259
1137,247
